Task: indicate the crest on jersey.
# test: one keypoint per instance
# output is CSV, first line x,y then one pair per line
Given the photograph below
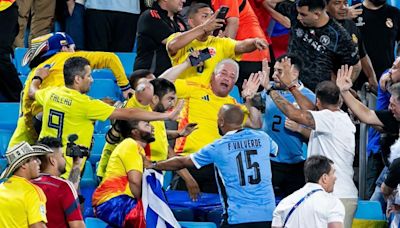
x,y
299,32
360,21
389,22
325,40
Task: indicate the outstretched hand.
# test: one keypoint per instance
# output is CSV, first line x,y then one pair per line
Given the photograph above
x,y
288,76
265,74
188,129
250,86
174,114
343,80
213,23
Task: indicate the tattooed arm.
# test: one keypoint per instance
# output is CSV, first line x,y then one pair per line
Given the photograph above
x,y
75,174
299,116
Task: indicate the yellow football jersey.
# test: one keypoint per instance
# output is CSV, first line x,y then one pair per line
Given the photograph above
x,y
219,48
29,108
67,111
125,157
21,203
201,107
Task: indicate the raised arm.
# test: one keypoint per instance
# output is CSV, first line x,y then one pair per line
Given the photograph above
x,y
269,7
250,87
299,116
140,114
289,79
40,75
363,113
185,38
249,45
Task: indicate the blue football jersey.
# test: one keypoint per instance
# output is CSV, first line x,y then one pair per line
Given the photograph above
x,y
290,143
241,159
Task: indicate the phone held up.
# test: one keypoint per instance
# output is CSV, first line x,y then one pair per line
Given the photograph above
x,y
203,56
223,11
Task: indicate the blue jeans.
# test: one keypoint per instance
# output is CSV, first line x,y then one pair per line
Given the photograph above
x,y
75,26
377,195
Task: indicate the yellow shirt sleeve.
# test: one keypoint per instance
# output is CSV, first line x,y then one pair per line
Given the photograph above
x,y
130,157
105,156
36,206
40,95
98,110
181,52
228,47
109,60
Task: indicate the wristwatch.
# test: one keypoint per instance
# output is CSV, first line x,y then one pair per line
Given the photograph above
x,y
153,165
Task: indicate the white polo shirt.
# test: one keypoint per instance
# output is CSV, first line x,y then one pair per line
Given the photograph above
x,y
334,138
317,210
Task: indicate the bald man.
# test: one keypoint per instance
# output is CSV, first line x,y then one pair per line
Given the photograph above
x,y
241,158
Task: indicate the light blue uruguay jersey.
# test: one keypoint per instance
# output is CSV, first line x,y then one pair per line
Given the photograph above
x,y
290,143
242,161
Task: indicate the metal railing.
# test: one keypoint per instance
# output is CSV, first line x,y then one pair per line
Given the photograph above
x,y
369,100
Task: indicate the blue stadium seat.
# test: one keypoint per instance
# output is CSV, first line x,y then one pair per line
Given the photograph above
x,y
103,74
101,127
369,210
23,78
102,88
99,141
167,179
197,225
9,116
95,223
236,94
127,60
5,136
182,213
19,55
88,185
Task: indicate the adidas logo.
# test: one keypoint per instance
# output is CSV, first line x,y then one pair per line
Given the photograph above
x,y
206,98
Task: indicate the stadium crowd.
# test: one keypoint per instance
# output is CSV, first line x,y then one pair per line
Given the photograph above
x,y
255,102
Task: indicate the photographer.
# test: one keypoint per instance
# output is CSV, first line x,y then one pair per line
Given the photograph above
x,y
62,199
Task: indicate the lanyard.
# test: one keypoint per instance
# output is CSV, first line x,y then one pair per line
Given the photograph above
x,y
298,203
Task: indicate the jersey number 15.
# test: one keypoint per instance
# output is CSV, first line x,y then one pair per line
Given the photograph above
x,y
252,179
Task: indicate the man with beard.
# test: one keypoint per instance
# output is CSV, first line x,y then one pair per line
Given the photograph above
x,y
117,199
331,132
241,158
62,204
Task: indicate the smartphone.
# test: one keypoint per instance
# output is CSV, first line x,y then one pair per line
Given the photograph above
x,y
223,10
203,56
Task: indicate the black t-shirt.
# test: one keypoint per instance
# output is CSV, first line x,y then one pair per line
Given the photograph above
x,y
355,34
322,49
154,26
380,30
390,124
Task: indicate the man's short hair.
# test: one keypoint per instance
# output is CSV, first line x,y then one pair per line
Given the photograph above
x,y
227,61
136,76
162,86
74,66
194,8
126,126
50,142
328,92
312,4
294,59
394,90
315,167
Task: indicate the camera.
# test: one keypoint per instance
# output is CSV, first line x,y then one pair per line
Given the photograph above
x,y
74,150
